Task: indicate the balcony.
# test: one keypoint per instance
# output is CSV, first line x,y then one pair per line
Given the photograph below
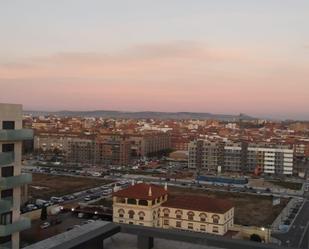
x,y
5,205
6,158
20,225
15,181
16,135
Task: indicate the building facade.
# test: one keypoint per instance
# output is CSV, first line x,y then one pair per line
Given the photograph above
x,y
270,159
11,178
150,205
242,157
206,155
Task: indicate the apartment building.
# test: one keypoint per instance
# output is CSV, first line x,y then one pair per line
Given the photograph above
x,y
270,159
113,151
11,178
81,151
147,143
150,205
235,154
206,155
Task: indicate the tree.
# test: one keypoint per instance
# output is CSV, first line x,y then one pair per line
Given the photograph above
x,y
44,213
256,238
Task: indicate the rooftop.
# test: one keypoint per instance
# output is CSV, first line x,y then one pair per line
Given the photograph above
x,y
142,191
198,203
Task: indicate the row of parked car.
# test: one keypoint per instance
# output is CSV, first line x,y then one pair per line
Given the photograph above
x,y
87,195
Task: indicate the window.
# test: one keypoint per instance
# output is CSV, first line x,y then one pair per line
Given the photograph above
x,y
8,193
215,229
8,125
5,239
130,222
132,201
121,213
166,212
203,228
131,214
215,219
7,171
178,224
178,214
143,203
7,147
6,218
120,221
141,215
190,215
203,217
165,222
190,225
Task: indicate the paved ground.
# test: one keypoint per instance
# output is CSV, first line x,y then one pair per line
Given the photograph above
x,y
36,234
298,234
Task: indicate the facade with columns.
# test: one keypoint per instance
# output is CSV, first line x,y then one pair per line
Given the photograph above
x,y
150,205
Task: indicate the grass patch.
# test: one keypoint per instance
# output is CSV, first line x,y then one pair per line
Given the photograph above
x,y
288,185
51,185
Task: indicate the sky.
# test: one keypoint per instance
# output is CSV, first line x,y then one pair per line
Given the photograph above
x,y
223,56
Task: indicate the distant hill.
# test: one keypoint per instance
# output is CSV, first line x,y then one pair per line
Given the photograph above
x,y
143,115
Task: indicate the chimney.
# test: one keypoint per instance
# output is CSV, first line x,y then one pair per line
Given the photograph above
x,y
133,182
165,186
150,192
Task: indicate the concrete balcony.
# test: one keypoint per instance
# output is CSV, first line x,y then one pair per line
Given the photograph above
x,y
18,226
16,135
15,181
6,158
5,205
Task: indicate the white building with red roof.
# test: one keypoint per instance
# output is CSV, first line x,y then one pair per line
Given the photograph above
x,y
150,205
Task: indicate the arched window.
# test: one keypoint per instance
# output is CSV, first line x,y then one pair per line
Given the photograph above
x,y
215,219
166,212
121,213
190,215
132,201
141,215
203,217
131,214
178,214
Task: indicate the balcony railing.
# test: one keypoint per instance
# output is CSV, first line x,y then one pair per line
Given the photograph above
x,y
6,158
20,225
16,135
15,181
5,205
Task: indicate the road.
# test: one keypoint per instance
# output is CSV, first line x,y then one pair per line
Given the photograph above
x,y
298,234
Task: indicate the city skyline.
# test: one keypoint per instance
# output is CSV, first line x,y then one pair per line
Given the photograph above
x,y
223,57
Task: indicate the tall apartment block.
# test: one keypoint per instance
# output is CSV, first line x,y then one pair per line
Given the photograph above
x,y
240,157
235,156
270,159
11,178
206,155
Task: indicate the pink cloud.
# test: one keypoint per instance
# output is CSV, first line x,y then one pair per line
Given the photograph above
x,y
179,76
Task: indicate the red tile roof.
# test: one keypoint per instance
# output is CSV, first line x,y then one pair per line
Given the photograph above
x,y
141,191
198,203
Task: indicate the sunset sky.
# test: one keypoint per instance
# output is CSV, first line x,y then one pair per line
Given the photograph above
x,y
223,56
